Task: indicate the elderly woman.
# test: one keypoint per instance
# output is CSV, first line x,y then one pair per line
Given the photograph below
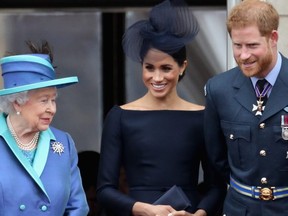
x,y
38,163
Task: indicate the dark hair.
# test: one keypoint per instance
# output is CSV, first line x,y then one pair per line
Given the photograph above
x,y
180,56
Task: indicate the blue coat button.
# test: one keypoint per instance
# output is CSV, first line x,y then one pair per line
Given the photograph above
x,y
44,208
22,207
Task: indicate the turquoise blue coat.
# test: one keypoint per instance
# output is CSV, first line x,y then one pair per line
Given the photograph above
x,y
51,187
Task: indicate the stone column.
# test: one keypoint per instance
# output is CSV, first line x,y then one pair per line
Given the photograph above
x,y
282,8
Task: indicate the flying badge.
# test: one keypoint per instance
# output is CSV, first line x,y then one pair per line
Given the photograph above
x,y
259,108
284,126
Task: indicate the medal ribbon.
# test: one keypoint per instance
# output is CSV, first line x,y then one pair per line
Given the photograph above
x,y
284,120
267,87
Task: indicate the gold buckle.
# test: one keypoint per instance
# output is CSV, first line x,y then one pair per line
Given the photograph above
x,y
266,193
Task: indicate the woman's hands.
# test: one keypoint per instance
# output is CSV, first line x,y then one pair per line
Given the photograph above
x,y
199,212
145,209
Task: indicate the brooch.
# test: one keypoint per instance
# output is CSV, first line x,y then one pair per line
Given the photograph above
x,y
57,147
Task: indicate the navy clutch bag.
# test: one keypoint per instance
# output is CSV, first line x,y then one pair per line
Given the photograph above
x,y
174,197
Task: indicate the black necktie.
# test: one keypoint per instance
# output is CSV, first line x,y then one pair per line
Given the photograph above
x,y
263,87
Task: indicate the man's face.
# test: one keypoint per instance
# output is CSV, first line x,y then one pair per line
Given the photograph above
x,y
254,54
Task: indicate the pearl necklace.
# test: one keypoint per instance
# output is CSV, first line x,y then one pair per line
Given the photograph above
x,y
27,146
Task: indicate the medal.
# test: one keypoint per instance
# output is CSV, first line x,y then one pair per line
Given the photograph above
x,y
284,126
262,97
259,108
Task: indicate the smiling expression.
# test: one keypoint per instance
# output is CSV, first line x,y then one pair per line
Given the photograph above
x,y
161,73
255,54
34,111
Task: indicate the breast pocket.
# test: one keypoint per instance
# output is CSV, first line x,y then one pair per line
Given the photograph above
x,y
278,136
240,149
280,150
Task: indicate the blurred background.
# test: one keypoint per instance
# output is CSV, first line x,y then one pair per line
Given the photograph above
x,y
86,38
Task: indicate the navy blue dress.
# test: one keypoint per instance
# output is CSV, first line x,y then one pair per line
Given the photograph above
x,y
158,149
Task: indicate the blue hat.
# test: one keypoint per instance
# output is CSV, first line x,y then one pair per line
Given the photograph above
x,y
30,71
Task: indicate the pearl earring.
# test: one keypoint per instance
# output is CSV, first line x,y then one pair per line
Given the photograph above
x,y
18,112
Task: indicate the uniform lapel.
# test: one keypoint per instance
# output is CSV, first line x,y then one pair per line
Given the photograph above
x,y
278,98
244,91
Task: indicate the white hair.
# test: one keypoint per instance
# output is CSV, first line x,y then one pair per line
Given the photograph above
x,y
6,101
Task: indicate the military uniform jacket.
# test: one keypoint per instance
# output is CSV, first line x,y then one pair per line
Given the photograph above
x,y
250,148
52,187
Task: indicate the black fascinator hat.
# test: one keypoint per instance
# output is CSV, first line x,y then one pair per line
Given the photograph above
x,y
171,25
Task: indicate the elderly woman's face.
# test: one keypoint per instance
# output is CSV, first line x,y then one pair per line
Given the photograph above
x,y
39,110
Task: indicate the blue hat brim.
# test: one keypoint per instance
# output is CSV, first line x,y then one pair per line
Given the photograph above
x,y
59,83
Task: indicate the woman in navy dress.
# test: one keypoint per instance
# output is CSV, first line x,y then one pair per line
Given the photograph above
x,y
158,138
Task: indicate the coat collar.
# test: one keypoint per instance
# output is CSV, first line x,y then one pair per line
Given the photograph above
x,y
244,92
278,97
41,155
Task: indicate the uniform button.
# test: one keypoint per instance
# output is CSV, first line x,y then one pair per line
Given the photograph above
x,y
264,180
262,125
263,153
43,208
22,207
231,136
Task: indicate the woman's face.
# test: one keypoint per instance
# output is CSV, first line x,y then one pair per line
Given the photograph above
x,y
39,110
160,73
